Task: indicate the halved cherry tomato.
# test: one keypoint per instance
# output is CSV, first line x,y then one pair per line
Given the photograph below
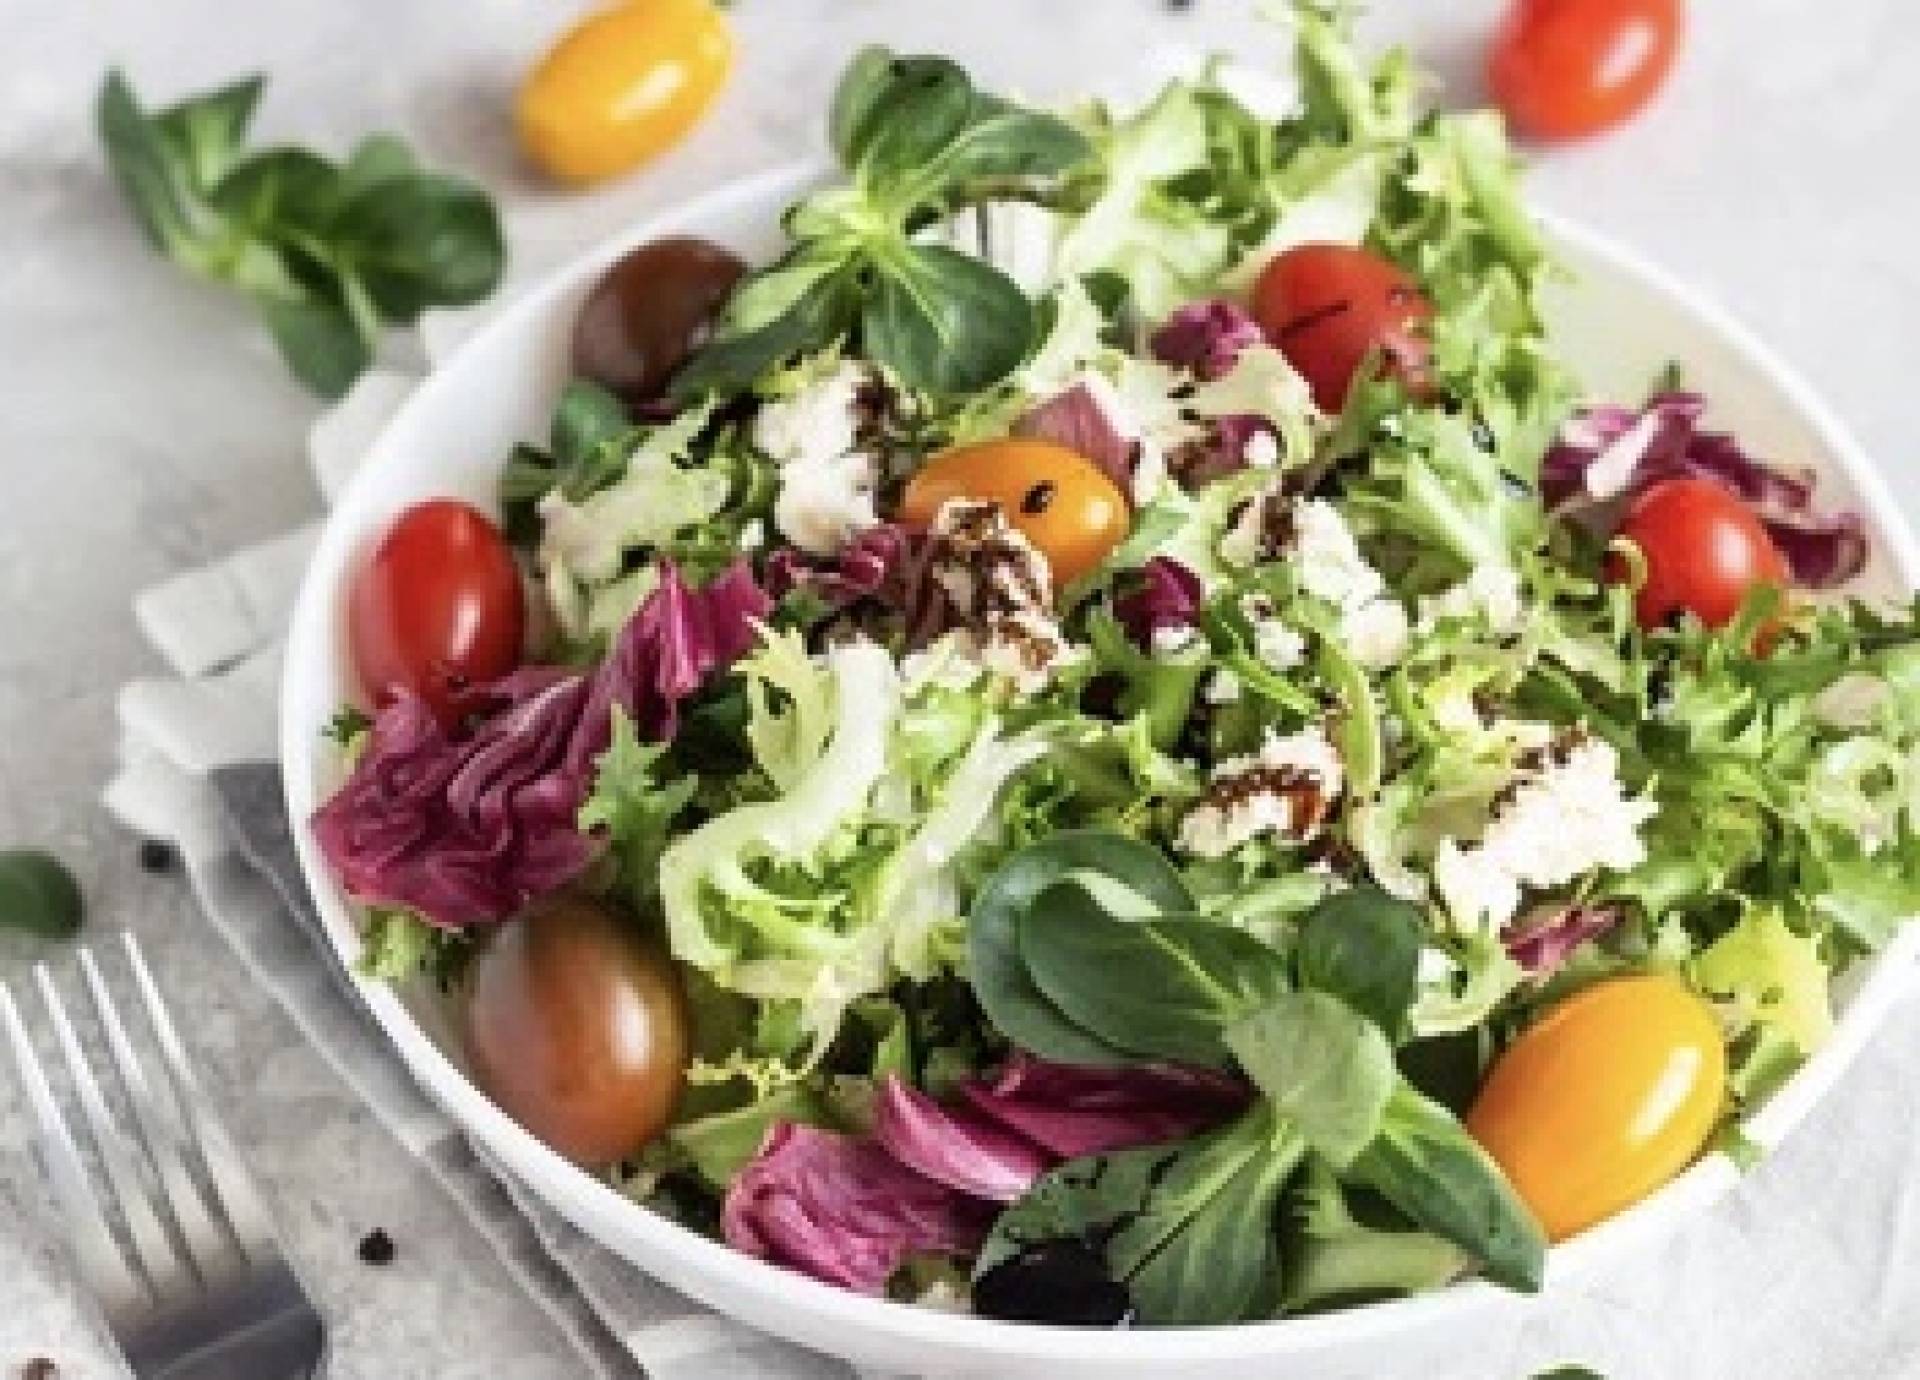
x,y
1704,550
578,1029
1328,306
623,85
1604,1099
1562,69
1059,500
437,608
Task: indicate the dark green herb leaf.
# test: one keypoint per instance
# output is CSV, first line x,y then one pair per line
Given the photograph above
x,y
1362,946
1322,1065
1006,992
278,190
945,321
205,133
1426,1165
419,241
863,89
1335,1259
899,122
1159,989
150,177
1187,1229
375,159
587,420
998,143
38,894
802,303
318,339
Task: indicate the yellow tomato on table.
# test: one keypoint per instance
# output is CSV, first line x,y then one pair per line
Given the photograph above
x,y
1058,499
1604,1099
622,85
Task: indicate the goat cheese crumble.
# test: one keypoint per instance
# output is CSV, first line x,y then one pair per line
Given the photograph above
x,y
826,481
1564,818
1286,789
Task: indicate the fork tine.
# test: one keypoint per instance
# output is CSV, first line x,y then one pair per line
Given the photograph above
x,y
151,1250
206,1243
102,1266
233,1188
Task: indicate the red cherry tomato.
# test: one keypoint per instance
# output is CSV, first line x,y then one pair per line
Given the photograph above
x,y
1327,307
1704,549
1563,69
437,608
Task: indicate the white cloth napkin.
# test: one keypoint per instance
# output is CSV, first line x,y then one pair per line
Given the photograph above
x,y
219,630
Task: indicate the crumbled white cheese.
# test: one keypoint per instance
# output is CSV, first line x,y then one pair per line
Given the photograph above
x,y
826,485
753,536
1279,647
1376,634
1563,821
1241,546
1262,451
822,503
1171,639
1023,648
1491,593
1223,687
819,422
947,662
1284,789
1328,558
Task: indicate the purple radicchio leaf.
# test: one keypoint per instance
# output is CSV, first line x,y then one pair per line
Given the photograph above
x,y
877,563
1073,1110
1087,420
1608,455
1547,940
843,1210
468,825
956,1145
1206,337
1165,594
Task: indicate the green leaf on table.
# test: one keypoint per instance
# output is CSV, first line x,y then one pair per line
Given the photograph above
x,y
1322,1065
1426,1165
329,255
1363,946
38,894
1164,988
1007,993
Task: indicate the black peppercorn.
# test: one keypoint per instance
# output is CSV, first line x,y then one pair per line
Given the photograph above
x,y
157,855
376,1248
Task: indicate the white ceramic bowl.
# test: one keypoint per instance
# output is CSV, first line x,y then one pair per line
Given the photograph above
x,y
1617,319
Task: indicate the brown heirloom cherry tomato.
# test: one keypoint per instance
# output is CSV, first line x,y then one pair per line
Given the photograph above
x,y
1562,69
1603,1100
623,85
577,1029
1703,549
1059,500
649,312
437,608
1327,307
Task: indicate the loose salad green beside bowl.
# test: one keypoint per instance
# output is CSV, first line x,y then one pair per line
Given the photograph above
x,y
1111,737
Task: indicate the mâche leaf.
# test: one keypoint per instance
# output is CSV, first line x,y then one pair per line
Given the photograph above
x,y
1012,1001
330,254
918,142
38,894
1165,988
1362,946
1322,1065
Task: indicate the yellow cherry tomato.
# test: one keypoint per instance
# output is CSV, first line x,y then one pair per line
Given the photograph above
x,y
622,85
1057,498
1603,1100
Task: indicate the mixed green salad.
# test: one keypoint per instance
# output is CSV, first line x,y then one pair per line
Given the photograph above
x,y
1111,737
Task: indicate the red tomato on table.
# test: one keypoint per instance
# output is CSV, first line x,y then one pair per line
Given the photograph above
x,y
1703,548
1562,69
1328,306
437,608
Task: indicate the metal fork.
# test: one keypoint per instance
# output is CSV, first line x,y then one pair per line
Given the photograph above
x,y
181,1255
